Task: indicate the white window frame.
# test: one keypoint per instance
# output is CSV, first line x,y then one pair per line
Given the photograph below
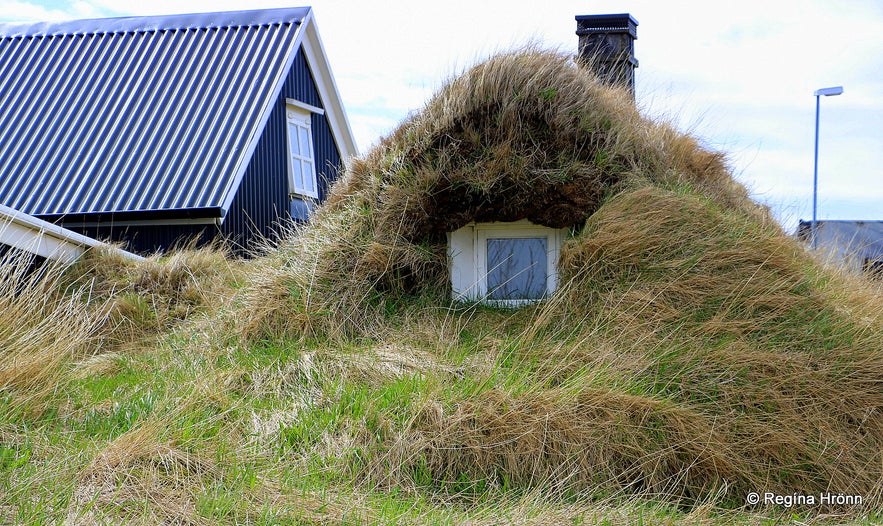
x,y
467,253
298,119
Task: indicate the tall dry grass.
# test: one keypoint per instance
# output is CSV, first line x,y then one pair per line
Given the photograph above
x,y
142,299
53,315
43,325
141,478
523,135
690,353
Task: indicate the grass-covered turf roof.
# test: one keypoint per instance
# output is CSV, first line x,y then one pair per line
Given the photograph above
x,y
524,135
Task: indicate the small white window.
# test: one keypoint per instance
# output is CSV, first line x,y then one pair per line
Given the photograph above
x,y
507,264
301,164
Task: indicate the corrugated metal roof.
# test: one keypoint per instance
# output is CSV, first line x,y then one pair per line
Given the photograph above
x,y
128,115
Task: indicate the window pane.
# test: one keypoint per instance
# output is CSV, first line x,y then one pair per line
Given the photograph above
x,y
309,177
297,174
516,268
292,138
304,134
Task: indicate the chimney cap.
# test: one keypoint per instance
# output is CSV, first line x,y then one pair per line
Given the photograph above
x,y
613,22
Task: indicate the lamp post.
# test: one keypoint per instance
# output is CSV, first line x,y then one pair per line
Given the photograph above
x,y
827,92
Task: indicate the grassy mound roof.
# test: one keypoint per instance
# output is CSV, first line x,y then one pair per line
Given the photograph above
x,y
525,135
692,349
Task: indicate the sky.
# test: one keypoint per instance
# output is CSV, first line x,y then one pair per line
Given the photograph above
x,y
739,75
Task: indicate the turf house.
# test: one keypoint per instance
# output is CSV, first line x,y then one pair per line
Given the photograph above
x,y
669,278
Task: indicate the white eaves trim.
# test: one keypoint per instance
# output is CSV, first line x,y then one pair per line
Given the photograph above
x,y
304,106
317,61
26,232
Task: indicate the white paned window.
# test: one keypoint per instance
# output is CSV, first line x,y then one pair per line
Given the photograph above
x,y
301,163
507,264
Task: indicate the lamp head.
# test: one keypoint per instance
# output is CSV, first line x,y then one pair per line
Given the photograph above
x,y
836,90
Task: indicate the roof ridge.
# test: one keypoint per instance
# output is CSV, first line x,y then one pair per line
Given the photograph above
x,y
136,24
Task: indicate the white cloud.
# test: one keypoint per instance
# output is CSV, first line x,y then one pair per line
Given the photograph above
x,y
28,12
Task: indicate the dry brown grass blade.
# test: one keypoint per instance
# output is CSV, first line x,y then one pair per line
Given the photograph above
x,y
43,326
141,477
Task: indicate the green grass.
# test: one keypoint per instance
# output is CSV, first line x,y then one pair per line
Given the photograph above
x,y
306,463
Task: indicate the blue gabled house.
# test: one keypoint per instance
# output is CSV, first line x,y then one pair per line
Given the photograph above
x,y
155,130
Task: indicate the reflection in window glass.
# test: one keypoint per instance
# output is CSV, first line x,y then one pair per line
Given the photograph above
x,y
304,137
309,181
516,268
293,144
297,171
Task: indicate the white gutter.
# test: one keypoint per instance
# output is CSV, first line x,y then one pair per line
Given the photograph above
x,y
26,232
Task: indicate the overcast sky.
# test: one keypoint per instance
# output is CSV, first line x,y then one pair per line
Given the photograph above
x,y
738,74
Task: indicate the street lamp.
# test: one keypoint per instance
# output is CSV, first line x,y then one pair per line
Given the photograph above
x,y
827,92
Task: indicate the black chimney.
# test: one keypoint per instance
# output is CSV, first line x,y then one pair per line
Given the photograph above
x,y
607,45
